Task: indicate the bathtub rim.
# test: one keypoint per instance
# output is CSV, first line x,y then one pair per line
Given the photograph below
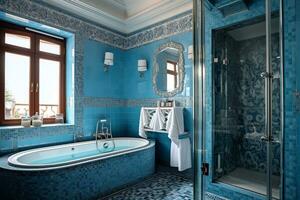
x,y
5,165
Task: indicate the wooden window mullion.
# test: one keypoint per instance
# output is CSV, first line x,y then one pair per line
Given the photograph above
x,y
35,106
2,78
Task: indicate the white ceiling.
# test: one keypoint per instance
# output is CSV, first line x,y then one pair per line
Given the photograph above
x,y
125,16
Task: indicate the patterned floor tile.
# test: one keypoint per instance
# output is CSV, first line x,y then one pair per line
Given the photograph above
x,y
161,186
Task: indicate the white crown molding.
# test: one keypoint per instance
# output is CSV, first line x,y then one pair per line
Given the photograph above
x,y
153,14
88,12
157,14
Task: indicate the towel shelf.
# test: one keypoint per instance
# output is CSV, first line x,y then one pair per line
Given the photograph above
x,y
181,136
162,108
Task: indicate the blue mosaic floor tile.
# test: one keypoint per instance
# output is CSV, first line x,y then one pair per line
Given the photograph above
x,y
160,186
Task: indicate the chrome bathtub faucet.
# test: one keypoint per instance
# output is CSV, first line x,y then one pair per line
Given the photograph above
x,y
105,132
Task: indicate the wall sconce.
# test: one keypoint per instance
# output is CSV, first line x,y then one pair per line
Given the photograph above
x,y
190,52
142,67
108,60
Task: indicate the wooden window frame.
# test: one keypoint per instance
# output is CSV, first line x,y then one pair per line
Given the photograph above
x,y
34,54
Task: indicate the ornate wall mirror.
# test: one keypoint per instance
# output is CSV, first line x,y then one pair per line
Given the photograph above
x,y
168,71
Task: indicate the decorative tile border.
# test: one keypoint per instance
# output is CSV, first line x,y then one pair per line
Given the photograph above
x,y
161,31
48,130
114,102
181,101
103,102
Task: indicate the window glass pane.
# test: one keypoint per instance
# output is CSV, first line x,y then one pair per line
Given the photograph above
x,y
170,66
170,82
17,40
17,73
49,87
49,47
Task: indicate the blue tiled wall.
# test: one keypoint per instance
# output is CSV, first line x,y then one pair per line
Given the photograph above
x,y
92,94
291,99
96,82
138,85
297,40
141,90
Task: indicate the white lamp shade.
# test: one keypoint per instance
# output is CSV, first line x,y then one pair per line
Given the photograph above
x,y
108,58
142,65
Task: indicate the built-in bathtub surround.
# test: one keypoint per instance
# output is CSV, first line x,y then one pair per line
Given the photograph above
x,y
62,156
87,180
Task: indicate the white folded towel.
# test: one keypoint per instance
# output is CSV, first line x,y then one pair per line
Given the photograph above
x,y
143,122
175,124
157,121
180,155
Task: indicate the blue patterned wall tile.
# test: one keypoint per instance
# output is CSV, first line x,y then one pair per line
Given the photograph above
x,y
291,182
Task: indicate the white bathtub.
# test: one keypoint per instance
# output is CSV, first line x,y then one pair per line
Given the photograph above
x,y
60,156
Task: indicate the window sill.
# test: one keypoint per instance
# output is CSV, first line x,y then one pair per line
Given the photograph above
x,y
32,127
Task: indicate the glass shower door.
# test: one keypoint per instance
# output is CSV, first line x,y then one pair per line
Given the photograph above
x,y
238,86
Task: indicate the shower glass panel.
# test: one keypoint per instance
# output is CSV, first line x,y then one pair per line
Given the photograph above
x,y
239,154
277,94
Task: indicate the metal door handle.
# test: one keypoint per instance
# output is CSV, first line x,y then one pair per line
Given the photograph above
x,y
266,75
267,139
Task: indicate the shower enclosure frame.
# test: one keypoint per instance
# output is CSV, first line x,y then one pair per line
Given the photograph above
x,y
199,106
198,98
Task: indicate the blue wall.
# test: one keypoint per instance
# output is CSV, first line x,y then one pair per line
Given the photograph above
x,y
140,89
291,99
122,82
103,86
98,83
92,93
297,64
